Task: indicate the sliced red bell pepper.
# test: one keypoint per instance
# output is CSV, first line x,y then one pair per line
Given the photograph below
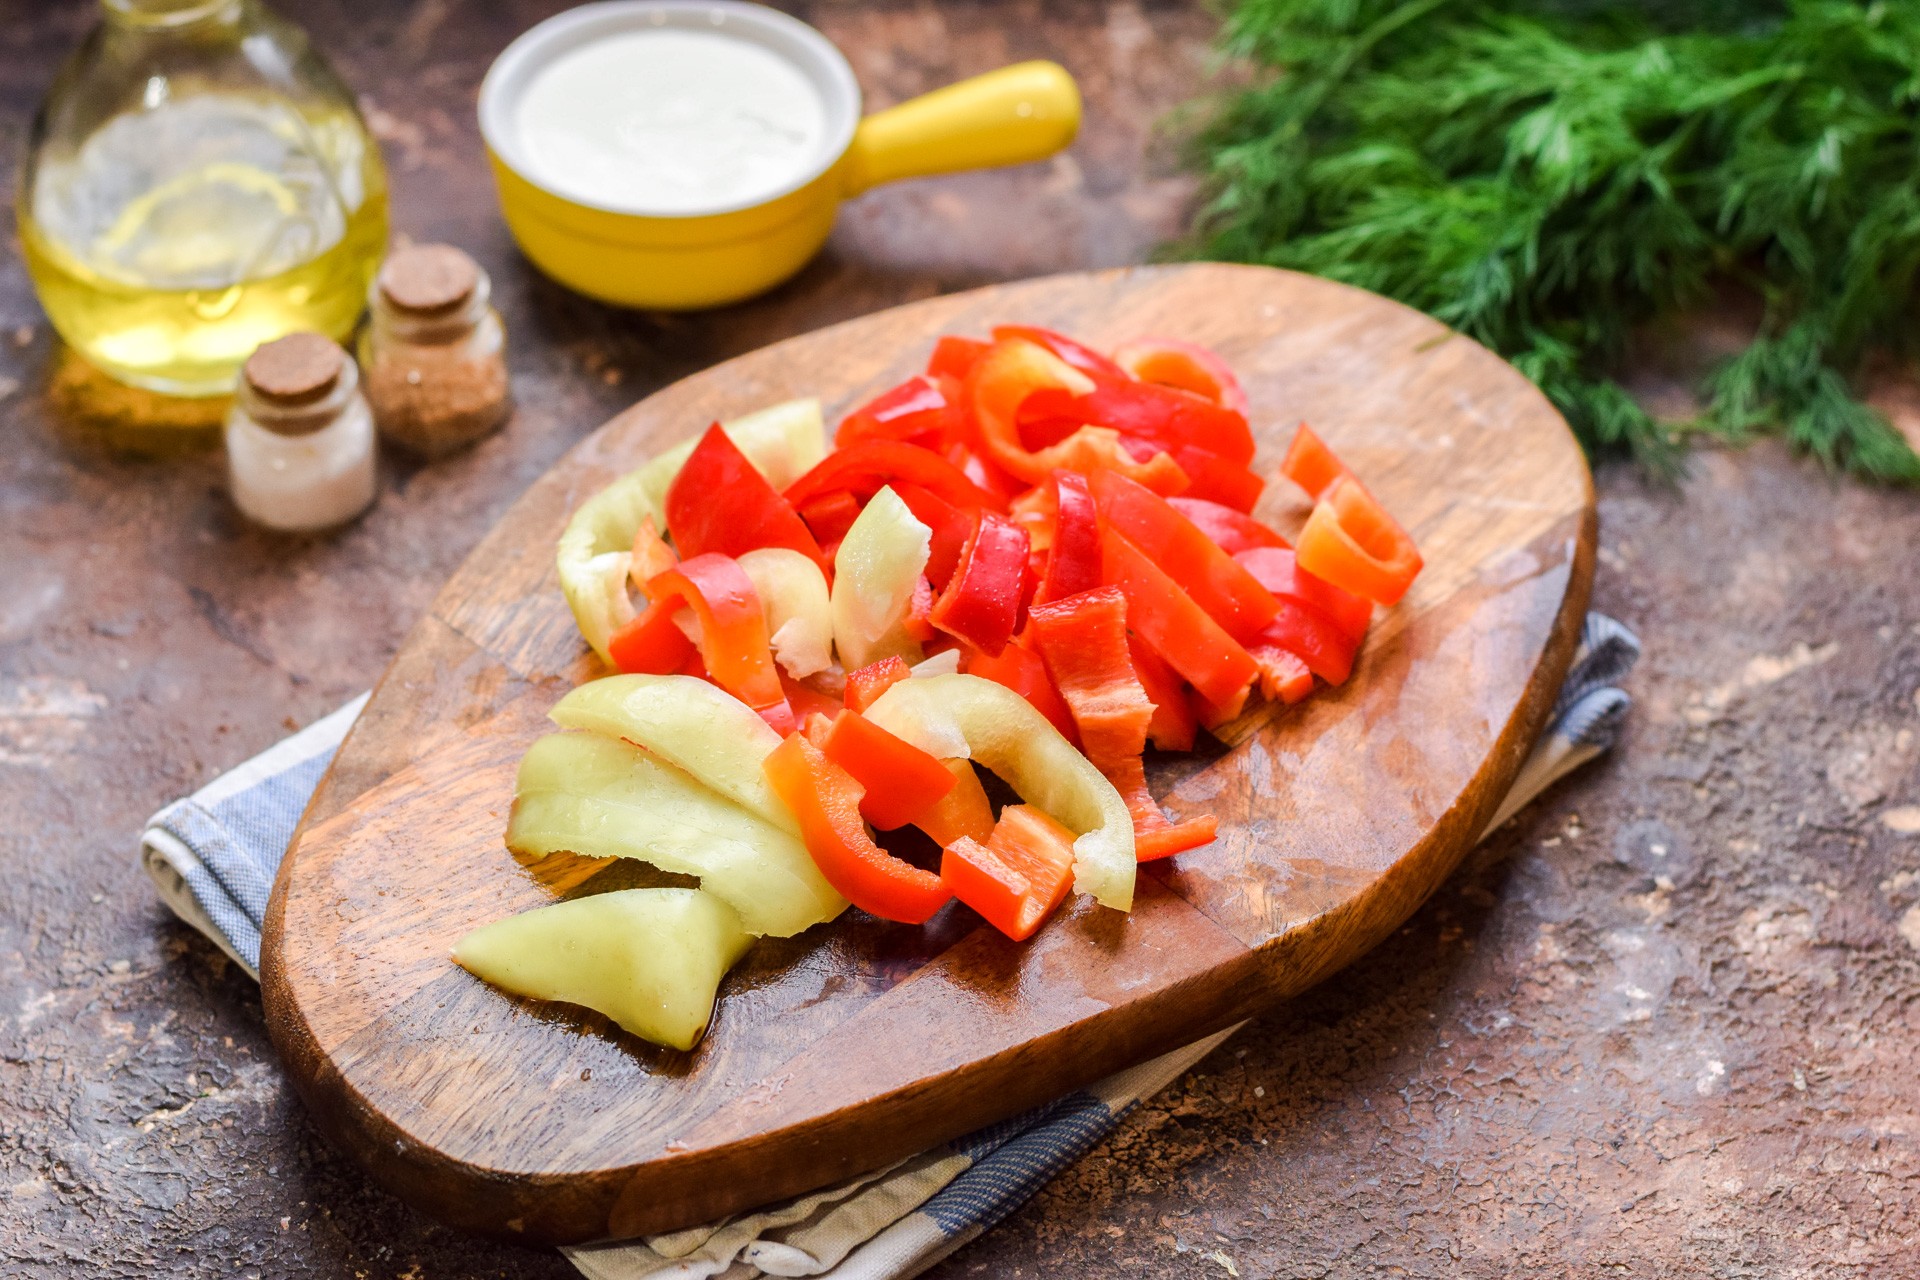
x,y
1214,714
981,604
950,526
1314,638
1153,836
1352,543
1310,464
867,466
1011,373
830,515
1077,354
964,813
651,554
954,357
1173,726
1083,639
1167,618
1073,557
807,701
1217,479
1162,417
1022,670
1019,877
1234,531
874,679
652,644
1283,677
721,503
1230,595
919,619
825,799
925,410
733,630
1186,365
988,476
1279,572
902,781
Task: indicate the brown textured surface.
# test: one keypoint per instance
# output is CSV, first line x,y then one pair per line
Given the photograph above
x,y
486,1111
428,277
295,369
1487,1094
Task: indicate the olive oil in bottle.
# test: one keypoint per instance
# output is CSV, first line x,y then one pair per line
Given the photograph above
x,y
232,198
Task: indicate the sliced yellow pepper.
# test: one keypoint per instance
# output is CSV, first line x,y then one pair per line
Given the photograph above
x,y
650,959
793,596
875,573
693,725
603,798
996,727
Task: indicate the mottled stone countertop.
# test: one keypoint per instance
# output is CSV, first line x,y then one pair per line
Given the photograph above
x,y
1664,1024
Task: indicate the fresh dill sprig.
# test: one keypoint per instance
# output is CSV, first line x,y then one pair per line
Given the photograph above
x,y
1546,177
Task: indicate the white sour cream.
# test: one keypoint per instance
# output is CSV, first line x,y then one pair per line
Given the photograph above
x,y
670,122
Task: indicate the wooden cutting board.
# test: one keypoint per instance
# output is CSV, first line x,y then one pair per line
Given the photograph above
x,y
862,1042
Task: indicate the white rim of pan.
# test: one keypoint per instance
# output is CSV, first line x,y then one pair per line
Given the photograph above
x,y
810,53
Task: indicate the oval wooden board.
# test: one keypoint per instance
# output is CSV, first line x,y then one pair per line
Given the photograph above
x,y
860,1043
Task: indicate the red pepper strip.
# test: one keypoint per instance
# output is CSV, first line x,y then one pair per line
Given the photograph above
x,y
981,604
866,466
1310,464
964,813
1230,595
1015,370
1313,637
1352,542
1019,877
951,527
1186,365
826,800
651,644
955,357
733,631
1215,478
1083,639
902,781
874,679
830,516
1161,416
923,410
1234,531
1283,677
1173,726
1167,618
651,554
983,473
815,728
1280,573
1215,714
1025,672
1153,836
1077,354
721,503
1073,560
807,701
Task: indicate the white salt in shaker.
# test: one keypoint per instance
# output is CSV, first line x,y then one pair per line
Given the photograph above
x,y
300,452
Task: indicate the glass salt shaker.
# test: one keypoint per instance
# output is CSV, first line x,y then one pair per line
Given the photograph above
x,y
435,351
300,450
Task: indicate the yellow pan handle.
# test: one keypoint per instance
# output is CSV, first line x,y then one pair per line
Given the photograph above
x,y
1024,112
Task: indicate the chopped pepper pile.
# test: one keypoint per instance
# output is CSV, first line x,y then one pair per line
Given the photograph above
x,y
1053,550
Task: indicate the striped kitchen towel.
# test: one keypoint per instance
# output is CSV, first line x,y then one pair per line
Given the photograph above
x,y
213,855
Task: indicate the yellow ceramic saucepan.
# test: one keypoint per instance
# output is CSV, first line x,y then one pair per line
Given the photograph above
x,y
680,154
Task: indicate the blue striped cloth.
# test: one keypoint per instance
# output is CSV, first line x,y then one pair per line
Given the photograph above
x,y
213,855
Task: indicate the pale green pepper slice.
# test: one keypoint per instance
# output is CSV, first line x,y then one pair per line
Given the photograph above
x,y
689,723
799,614
875,573
603,798
650,959
961,715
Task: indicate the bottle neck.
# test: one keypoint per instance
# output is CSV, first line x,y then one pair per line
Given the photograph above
x,y
300,419
155,17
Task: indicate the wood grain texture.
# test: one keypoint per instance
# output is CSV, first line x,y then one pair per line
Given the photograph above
x,y
862,1042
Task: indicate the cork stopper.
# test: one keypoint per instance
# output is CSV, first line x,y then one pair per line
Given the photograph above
x,y
428,279
295,370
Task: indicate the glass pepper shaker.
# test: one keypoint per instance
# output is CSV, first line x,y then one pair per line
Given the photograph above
x,y
434,353
300,448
